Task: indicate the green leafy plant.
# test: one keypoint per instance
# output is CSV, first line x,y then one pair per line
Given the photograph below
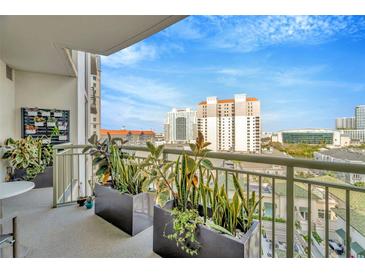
x,y
188,180
359,184
189,170
55,131
100,150
159,173
51,120
180,178
29,154
230,215
185,224
126,172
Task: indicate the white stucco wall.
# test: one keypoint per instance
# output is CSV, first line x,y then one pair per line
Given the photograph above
x,y
7,111
45,91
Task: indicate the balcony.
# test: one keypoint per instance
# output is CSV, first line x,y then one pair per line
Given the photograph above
x,y
52,225
325,209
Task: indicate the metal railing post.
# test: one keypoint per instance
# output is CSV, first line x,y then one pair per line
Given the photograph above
x,y
348,222
260,215
273,216
326,225
55,178
290,212
309,242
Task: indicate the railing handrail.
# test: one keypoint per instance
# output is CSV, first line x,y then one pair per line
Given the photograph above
x,y
260,159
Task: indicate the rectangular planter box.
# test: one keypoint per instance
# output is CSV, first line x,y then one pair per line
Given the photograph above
x,y
42,180
212,243
130,213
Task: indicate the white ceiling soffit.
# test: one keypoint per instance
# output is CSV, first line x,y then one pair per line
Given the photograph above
x,y
36,43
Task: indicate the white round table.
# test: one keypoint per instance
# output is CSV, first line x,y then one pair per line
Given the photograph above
x,y
11,189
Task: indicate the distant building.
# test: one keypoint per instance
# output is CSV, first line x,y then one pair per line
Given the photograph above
x,y
357,230
353,127
360,117
180,126
134,137
266,134
95,95
311,136
159,139
231,124
357,136
343,156
345,123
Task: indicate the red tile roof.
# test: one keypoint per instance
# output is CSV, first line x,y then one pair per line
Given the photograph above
x,y
228,101
126,132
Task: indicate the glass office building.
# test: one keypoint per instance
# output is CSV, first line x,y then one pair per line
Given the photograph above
x,y
307,137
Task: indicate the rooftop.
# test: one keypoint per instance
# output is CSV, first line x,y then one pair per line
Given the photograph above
x,y
345,154
126,132
308,130
357,219
249,99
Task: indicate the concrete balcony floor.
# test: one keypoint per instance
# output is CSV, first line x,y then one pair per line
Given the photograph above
x,y
70,231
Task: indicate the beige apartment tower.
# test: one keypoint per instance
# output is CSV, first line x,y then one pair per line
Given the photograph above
x,y
231,124
94,95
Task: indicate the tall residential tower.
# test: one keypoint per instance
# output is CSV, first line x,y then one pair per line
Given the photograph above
x,y
360,117
231,124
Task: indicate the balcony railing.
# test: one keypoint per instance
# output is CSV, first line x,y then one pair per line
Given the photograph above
x,y
290,225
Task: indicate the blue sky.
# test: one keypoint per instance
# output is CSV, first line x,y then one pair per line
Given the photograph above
x,y
305,70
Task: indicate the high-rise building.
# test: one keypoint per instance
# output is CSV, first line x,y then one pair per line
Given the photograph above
x,y
360,117
345,123
231,124
94,95
180,126
353,127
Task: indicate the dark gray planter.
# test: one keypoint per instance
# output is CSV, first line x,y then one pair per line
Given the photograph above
x,y
213,244
130,213
42,180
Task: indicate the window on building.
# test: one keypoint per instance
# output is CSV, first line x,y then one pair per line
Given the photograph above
x,y
9,73
321,213
303,212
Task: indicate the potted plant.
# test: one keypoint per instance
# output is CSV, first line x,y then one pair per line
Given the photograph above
x,y
51,122
121,198
81,201
31,160
89,202
200,220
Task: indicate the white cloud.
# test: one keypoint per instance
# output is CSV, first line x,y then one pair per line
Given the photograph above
x,y
294,77
144,89
239,71
130,56
119,111
258,32
137,102
189,29
251,33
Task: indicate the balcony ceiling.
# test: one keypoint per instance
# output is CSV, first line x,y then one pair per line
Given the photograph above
x,y
36,43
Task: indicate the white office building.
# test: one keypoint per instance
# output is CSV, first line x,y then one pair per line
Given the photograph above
x,y
180,126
